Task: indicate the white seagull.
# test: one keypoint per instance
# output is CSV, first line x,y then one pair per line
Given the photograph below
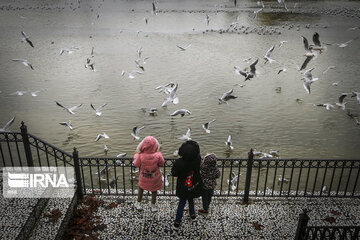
x,y
97,110
247,75
23,61
229,142
227,96
186,136
282,43
341,102
131,74
309,54
69,110
67,124
135,132
283,179
267,55
206,126
308,80
7,125
181,112
19,93
183,48
357,95
330,67
172,97
328,106
27,39
317,45
99,136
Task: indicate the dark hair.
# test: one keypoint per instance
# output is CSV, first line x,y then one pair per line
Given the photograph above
x,y
190,151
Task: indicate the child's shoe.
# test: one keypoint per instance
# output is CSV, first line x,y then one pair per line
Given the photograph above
x,y
154,208
202,211
137,206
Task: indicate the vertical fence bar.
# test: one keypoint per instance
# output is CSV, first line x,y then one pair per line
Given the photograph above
x,y
356,180
239,172
283,175
298,183
222,175
316,175
307,177
2,155
292,174
348,180
258,178
266,176
341,174
17,149
302,224
91,177
230,179
79,189
274,180
9,148
37,152
248,176
26,143
323,181
332,176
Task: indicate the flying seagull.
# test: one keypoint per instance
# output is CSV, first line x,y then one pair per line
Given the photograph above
x,y
328,106
206,126
317,45
131,74
69,110
227,96
330,67
186,136
19,93
207,19
357,95
247,75
135,132
309,54
267,55
308,80
99,136
282,43
67,124
181,112
23,61
7,125
172,97
283,3
183,48
341,102
27,39
229,143
97,110
166,88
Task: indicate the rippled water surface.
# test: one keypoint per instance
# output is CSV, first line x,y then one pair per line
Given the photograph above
x,y
261,116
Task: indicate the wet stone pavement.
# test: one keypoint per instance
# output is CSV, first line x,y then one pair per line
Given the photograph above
x,y
228,219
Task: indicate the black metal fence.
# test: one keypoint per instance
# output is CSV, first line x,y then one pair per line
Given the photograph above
x,y
239,177
304,232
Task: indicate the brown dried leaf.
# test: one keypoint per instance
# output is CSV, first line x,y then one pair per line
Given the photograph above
x,y
257,225
330,219
100,227
111,205
54,215
336,213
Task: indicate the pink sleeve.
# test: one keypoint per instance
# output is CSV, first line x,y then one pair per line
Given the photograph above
x,y
161,160
137,161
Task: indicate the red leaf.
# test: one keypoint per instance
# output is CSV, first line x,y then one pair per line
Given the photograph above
x,y
330,219
111,205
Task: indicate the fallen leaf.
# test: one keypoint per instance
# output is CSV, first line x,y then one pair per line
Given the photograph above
x,y
336,213
330,219
111,205
257,225
53,215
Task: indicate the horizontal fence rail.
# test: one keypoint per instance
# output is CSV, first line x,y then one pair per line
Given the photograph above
x,y
239,177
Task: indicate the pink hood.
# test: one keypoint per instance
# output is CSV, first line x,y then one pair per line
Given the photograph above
x,y
148,145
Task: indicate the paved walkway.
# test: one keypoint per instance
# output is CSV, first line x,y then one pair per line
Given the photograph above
x,y
228,219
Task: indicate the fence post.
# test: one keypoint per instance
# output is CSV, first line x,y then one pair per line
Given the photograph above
x,y
302,224
248,176
79,189
26,143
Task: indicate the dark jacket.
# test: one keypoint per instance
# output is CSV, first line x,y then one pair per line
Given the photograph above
x,y
188,163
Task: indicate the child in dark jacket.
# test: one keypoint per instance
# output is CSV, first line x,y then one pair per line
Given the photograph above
x,y
188,183
209,172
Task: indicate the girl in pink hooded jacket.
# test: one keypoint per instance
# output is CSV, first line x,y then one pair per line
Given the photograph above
x,y
149,159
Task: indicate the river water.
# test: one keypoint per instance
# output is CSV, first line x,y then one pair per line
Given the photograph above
x,y
261,117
